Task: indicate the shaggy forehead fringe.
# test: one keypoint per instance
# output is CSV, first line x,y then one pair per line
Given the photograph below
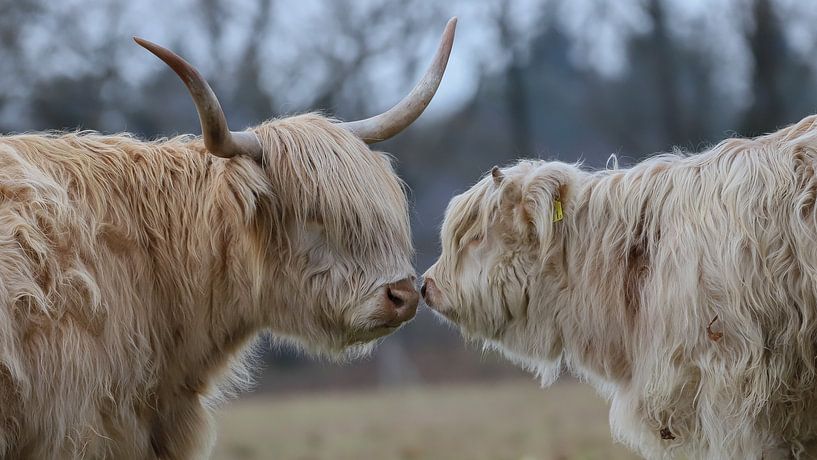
x,y
325,172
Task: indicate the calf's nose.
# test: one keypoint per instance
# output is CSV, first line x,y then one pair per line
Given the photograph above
x,y
428,290
402,296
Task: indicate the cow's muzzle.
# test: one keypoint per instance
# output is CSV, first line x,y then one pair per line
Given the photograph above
x,y
428,291
401,301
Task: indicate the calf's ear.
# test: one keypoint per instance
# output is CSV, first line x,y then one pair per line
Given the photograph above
x,y
543,194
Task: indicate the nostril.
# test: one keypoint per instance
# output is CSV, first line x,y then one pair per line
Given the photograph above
x,y
401,299
394,299
423,290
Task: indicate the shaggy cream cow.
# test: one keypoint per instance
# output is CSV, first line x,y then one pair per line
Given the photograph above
x,y
684,288
133,275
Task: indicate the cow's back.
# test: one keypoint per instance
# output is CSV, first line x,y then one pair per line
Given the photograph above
x,y
730,295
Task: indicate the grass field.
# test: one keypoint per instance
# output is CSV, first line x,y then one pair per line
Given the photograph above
x,y
513,421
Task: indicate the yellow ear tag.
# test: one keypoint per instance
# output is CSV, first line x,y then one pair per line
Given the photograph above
x,y
557,211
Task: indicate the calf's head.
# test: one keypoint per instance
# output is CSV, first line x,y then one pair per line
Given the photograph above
x,y
334,246
496,277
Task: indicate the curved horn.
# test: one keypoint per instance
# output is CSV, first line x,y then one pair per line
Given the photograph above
x,y
218,138
399,117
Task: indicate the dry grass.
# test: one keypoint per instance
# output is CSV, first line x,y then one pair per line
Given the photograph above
x,y
511,421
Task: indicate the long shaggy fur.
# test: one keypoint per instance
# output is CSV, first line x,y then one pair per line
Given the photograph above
x,y
684,288
133,276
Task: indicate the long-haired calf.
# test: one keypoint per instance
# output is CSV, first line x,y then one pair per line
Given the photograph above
x,y
684,289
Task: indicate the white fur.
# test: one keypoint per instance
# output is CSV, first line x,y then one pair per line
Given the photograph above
x,y
622,290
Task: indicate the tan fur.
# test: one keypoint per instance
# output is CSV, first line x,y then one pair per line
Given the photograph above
x,y
624,290
133,276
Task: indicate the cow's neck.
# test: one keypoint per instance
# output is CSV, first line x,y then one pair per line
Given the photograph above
x,y
599,307
194,221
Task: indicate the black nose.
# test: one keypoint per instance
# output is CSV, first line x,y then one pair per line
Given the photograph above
x,y
423,290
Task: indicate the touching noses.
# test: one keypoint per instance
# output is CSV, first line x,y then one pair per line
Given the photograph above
x,y
403,298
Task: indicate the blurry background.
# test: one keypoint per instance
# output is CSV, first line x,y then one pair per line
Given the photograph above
x,y
555,79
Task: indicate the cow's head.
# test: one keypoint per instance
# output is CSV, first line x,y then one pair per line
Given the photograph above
x,y
496,277
335,237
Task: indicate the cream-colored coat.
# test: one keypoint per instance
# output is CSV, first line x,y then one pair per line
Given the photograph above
x,y
684,288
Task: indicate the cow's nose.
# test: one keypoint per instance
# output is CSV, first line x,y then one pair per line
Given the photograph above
x,y
428,290
402,296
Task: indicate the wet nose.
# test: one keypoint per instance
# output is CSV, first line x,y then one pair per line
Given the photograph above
x,y
402,296
426,290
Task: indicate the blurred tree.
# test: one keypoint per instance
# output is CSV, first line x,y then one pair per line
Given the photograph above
x,y
663,59
251,102
517,97
770,56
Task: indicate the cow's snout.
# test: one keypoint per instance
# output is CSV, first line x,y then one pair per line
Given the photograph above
x,y
402,298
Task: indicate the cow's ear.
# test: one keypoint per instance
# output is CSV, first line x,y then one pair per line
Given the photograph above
x,y
544,194
497,175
